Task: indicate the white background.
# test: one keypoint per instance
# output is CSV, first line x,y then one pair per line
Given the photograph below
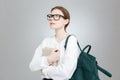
x,y
23,25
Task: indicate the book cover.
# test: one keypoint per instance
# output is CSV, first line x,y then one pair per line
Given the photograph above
x,y
46,51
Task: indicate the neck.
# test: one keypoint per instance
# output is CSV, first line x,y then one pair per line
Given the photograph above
x,y
60,34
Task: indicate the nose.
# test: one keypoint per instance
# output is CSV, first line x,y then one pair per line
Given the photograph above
x,y
51,19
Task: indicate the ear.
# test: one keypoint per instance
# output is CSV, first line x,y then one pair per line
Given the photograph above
x,y
66,21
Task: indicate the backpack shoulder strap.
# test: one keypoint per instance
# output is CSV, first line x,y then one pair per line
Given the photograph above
x,y
65,46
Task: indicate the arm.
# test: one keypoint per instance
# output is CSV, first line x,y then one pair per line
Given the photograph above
x,y
66,68
38,61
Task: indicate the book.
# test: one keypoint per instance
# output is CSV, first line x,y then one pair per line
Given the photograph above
x,y
46,51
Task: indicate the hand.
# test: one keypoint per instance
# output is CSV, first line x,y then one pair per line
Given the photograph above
x,y
54,56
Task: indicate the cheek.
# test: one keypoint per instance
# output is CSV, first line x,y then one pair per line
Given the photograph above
x,y
60,23
56,25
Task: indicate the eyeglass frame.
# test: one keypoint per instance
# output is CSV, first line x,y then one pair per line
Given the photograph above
x,y
52,16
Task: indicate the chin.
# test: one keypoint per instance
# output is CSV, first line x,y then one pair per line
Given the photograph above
x,y
53,27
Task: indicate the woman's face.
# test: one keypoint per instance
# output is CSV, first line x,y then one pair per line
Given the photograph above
x,y
57,20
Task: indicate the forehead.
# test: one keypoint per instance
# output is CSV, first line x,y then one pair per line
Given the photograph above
x,y
57,11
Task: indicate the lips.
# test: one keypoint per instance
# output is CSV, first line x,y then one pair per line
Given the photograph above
x,y
51,23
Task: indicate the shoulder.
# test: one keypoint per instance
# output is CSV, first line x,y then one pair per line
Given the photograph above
x,y
73,38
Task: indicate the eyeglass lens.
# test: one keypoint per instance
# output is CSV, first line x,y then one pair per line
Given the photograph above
x,y
54,16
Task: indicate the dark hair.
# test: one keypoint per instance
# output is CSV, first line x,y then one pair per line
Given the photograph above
x,y
65,13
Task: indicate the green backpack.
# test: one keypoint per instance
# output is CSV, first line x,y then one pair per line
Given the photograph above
x,y
87,67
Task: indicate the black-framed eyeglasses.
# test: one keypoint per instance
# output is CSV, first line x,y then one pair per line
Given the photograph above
x,y
56,17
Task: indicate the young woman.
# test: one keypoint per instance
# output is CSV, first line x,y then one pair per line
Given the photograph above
x,y
66,59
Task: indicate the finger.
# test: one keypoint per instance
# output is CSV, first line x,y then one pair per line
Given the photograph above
x,y
56,50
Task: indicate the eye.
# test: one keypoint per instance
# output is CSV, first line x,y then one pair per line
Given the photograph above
x,y
56,15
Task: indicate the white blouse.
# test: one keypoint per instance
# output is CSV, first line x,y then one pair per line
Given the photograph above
x,y
67,63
